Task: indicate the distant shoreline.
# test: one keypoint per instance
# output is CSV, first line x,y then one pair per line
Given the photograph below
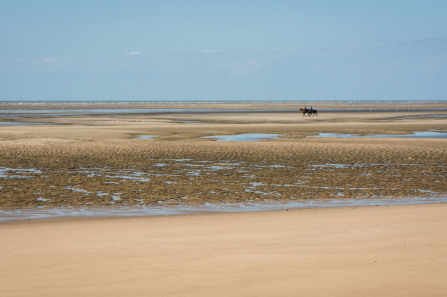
x,y
228,106
93,101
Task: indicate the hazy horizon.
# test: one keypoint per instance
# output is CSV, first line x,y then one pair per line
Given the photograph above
x,y
223,51
219,101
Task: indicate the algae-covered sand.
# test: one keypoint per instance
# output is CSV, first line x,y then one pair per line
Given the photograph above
x,y
99,160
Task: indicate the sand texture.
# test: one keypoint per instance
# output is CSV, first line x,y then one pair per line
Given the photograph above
x,y
99,161
366,251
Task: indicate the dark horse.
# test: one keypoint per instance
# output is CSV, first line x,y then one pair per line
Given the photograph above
x,y
309,112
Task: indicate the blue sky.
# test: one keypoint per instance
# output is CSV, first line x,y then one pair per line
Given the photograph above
x,y
223,50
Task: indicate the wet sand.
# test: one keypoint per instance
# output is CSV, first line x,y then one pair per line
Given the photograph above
x,y
99,161
366,251
347,105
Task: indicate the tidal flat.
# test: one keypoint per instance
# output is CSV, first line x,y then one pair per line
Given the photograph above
x,y
100,159
70,194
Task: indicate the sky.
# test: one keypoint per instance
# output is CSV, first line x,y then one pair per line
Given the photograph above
x,y
223,50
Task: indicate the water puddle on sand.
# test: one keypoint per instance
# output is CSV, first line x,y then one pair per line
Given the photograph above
x,y
23,123
136,211
416,134
146,136
17,172
78,190
244,137
190,122
420,117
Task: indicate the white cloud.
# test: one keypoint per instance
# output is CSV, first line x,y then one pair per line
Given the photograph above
x,y
134,53
210,51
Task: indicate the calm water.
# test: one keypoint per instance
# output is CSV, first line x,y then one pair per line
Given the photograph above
x,y
206,208
244,137
378,106
146,136
68,112
417,134
22,123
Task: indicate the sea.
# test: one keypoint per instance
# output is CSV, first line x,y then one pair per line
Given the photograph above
x,y
85,107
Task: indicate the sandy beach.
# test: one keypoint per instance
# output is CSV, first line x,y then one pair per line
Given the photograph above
x,y
122,159
223,148
126,160
365,251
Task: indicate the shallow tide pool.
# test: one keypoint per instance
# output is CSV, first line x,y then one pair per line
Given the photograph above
x,y
40,213
22,123
416,134
146,136
244,137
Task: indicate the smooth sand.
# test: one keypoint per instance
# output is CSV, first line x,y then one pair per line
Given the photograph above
x,y
366,251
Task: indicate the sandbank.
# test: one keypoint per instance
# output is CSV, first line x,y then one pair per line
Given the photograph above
x,y
101,160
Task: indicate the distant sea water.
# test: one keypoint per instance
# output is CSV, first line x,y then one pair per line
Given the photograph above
x,y
85,107
95,101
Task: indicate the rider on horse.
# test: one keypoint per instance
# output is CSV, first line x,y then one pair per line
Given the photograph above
x,y
309,111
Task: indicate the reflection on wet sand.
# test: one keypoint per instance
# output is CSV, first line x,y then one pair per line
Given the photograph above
x,y
157,161
244,137
416,134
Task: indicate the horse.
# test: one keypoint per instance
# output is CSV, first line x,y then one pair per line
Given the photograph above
x,y
309,112
312,112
